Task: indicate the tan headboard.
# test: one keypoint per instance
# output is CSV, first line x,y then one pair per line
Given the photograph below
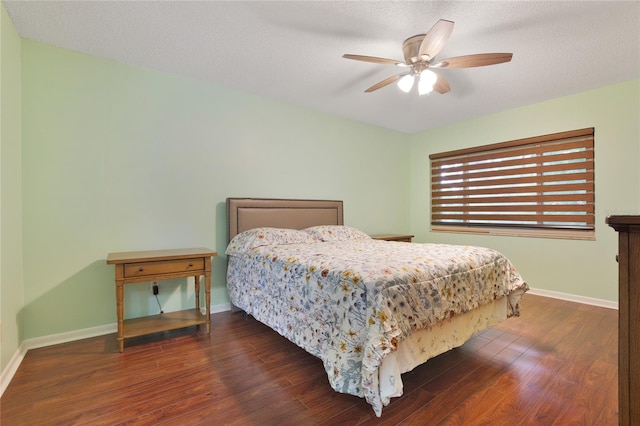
x,y
248,213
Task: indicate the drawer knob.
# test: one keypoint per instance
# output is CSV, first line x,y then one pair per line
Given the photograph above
x,y
140,269
190,264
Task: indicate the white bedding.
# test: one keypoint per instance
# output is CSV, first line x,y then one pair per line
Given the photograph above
x,y
426,343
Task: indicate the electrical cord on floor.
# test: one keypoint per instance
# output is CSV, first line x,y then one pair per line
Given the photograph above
x,y
159,306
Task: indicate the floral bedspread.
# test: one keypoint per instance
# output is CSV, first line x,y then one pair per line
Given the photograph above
x,y
352,302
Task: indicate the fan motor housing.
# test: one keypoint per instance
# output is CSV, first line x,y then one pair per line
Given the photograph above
x,y
411,48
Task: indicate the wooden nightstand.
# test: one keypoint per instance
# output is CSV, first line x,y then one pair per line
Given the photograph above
x,y
405,238
156,265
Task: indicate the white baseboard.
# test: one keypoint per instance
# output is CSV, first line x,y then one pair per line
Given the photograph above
x,y
223,307
69,336
574,298
11,368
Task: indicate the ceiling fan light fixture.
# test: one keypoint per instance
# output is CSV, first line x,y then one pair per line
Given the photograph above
x,y
419,52
427,80
406,83
423,88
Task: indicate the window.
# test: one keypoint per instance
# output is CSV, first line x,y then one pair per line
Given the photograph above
x,y
541,186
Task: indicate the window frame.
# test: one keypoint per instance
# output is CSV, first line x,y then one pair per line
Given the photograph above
x,y
466,187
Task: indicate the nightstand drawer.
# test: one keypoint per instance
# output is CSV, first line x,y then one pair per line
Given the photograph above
x,y
165,267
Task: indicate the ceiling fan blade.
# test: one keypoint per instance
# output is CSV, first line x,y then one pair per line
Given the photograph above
x,y
372,59
435,39
441,85
384,82
470,61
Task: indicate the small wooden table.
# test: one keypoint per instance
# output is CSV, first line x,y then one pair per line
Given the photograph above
x,y
156,265
393,237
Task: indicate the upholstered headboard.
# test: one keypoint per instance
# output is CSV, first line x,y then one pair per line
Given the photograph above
x,y
248,213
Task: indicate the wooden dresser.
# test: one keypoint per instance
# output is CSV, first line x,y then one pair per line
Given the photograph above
x,y
628,228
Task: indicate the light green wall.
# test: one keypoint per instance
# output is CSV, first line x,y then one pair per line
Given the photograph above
x,y
119,158
585,268
11,281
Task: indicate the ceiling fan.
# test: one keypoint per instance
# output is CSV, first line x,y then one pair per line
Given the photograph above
x,y
419,53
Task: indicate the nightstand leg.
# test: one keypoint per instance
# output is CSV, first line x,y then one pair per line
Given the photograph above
x,y
207,296
196,281
120,313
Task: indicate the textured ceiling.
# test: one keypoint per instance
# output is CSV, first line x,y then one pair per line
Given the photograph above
x,y
292,51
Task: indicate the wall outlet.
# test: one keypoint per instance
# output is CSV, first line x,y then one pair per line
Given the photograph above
x,y
154,287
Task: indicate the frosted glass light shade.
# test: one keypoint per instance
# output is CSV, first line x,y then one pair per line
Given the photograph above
x,y
427,80
406,83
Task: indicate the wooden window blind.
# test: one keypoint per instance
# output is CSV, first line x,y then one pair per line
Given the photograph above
x,y
541,182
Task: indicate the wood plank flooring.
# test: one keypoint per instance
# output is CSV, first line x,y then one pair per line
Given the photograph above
x,y
554,365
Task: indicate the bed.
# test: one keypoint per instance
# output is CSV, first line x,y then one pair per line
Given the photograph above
x,y
369,309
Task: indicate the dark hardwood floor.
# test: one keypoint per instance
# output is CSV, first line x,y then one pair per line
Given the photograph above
x,y
554,365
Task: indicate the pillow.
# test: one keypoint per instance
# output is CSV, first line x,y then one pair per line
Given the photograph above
x,y
257,237
336,233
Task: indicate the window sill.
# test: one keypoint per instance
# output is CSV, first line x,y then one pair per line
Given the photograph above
x,y
532,233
